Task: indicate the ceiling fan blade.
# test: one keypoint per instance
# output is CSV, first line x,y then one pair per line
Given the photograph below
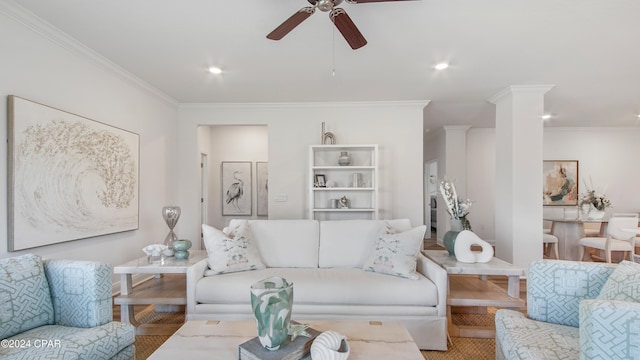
x,y
289,24
370,1
347,28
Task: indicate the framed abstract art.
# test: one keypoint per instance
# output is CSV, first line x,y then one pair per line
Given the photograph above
x,y
69,177
560,182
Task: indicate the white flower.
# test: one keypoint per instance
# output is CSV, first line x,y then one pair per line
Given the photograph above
x,y
456,207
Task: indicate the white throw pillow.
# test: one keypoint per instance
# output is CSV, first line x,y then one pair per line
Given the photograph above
x,y
396,253
232,251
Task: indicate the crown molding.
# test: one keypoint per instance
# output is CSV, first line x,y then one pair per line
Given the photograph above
x,y
362,104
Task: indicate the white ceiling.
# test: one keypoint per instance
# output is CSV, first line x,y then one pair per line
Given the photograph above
x,y
588,49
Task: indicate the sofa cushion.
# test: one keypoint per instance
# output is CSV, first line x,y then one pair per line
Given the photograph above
x,y
62,342
556,287
80,291
285,243
396,253
623,284
348,243
518,337
345,286
231,252
25,300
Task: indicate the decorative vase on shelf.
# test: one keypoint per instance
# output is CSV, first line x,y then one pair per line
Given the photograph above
x,y
344,159
181,249
450,236
271,302
171,214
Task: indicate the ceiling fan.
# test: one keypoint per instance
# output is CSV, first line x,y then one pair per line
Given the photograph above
x,y
337,15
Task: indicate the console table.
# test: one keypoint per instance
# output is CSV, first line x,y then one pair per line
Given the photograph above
x,y
164,290
469,286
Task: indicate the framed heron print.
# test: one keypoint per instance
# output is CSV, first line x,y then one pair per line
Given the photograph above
x,y
69,177
262,188
236,188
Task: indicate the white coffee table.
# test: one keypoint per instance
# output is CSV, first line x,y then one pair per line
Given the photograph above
x,y
469,286
220,339
163,290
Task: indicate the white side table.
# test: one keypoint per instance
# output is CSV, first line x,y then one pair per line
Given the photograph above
x,y
165,290
469,287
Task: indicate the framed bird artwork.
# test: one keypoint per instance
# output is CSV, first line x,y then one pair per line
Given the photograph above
x,y
236,188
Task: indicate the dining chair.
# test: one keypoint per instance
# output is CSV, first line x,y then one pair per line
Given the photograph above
x,y
547,227
616,239
592,229
550,241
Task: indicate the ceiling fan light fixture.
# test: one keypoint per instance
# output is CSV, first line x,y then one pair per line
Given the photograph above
x,y
215,70
327,5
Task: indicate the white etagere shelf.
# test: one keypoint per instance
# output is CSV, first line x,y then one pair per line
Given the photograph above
x,y
363,197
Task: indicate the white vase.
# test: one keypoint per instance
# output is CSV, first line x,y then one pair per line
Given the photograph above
x,y
271,303
595,214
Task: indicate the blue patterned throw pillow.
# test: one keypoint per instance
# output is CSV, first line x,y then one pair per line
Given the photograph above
x,y
623,284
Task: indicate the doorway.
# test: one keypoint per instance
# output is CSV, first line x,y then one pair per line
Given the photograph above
x,y
204,193
431,197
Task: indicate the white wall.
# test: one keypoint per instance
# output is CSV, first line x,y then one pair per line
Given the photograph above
x,y
607,155
395,126
481,165
40,64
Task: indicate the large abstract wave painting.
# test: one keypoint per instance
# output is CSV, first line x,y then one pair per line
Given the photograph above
x,y
70,177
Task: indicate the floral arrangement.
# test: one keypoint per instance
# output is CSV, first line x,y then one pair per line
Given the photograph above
x,y
590,197
457,208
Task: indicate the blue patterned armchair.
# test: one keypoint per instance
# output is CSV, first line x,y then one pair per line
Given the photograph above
x,y
576,310
59,309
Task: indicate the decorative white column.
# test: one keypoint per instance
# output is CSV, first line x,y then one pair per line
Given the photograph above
x,y
455,168
518,213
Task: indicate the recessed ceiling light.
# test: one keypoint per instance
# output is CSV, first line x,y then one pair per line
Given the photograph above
x,y
546,117
215,70
441,66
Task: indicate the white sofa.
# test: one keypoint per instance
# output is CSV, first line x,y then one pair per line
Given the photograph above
x,y
323,259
